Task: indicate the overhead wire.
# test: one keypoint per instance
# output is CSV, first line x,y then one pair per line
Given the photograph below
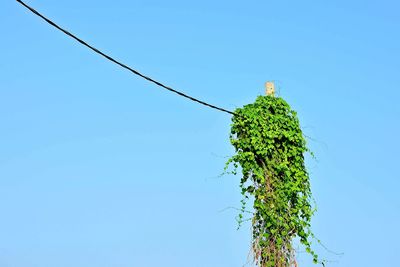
x,y
122,64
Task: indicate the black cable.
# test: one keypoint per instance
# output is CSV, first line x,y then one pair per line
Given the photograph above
x,y
121,64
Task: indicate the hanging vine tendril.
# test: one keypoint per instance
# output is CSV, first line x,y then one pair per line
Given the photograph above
x,y
270,149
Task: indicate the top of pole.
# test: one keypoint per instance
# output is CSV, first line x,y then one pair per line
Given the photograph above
x,y
270,88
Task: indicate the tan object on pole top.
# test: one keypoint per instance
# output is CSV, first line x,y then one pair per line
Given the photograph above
x,y
270,88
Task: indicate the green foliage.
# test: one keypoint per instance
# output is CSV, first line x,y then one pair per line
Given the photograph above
x,y
270,150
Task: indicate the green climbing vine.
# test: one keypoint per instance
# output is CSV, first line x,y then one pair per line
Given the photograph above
x,y
270,150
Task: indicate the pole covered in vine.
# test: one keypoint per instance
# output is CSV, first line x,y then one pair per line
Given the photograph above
x,y
270,148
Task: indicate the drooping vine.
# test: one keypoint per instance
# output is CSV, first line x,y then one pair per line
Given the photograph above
x,y
270,149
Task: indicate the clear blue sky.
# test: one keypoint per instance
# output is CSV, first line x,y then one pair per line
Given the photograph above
x,y
99,168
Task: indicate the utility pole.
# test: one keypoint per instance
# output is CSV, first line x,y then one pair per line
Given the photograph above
x,y
270,88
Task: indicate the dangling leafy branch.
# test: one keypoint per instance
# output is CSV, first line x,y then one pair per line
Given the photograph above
x,y
270,149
